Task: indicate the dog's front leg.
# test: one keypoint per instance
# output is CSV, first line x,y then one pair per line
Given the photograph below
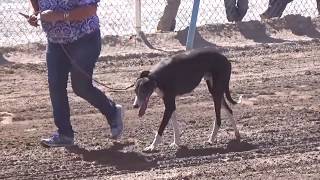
x,y
157,139
230,115
214,133
176,131
170,107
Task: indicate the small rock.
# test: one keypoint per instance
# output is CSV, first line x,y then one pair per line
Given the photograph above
x,y
307,73
192,122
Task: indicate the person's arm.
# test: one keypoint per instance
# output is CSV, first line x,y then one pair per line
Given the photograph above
x,y
33,20
35,6
76,14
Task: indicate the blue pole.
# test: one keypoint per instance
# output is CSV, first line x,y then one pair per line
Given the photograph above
x,y
193,24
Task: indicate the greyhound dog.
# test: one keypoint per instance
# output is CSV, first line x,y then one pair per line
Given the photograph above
x,y
180,75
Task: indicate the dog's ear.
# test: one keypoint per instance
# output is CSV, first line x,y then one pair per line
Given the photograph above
x,y
144,74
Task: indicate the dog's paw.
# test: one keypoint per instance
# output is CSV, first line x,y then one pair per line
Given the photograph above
x,y
149,148
209,142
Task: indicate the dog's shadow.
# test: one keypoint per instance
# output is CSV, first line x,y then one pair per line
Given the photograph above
x,y
232,146
135,161
115,157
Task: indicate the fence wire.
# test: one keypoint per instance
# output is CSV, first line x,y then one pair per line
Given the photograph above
x,y
117,17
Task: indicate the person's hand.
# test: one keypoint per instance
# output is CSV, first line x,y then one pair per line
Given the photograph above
x,y
51,16
33,19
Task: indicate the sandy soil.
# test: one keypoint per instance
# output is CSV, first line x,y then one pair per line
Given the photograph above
x,y
276,67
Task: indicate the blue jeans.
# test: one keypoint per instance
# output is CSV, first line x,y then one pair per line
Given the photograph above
x,y
84,52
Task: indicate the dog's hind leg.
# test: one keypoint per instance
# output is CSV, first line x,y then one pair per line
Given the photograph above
x,y
176,131
217,95
214,132
230,115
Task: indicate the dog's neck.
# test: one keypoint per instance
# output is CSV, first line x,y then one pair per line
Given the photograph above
x,y
157,89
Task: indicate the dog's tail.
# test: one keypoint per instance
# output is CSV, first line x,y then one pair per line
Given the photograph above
x,y
227,90
229,98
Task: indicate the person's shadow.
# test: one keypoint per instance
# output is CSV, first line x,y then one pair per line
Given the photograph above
x,y
301,26
257,32
199,41
143,38
232,146
3,60
113,156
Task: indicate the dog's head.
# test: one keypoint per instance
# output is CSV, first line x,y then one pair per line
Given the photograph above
x,y
144,87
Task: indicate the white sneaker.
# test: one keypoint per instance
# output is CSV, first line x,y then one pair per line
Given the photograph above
x,y
57,140
117,131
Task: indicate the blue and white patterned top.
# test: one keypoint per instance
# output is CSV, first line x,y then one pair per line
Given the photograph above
x,y
65,31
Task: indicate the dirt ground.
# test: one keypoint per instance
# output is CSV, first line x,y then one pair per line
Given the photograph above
x,y
276,68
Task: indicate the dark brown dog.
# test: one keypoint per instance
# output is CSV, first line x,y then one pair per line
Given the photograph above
x,y
179,75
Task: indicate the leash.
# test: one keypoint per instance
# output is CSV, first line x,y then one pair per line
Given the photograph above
x,y
74,63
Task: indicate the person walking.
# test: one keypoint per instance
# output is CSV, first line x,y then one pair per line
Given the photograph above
x,y
236,9
168,20
74,45
275,9
318,6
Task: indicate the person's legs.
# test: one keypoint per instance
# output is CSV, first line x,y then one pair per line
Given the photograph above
x,y
167,21
275,8
58,70
84,53
318,6
243,6
231,10
236,9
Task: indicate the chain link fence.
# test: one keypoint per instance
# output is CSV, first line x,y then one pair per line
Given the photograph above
x,y
118,16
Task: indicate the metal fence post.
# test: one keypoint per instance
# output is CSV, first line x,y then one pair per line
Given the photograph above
x,y
138,16
193,24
